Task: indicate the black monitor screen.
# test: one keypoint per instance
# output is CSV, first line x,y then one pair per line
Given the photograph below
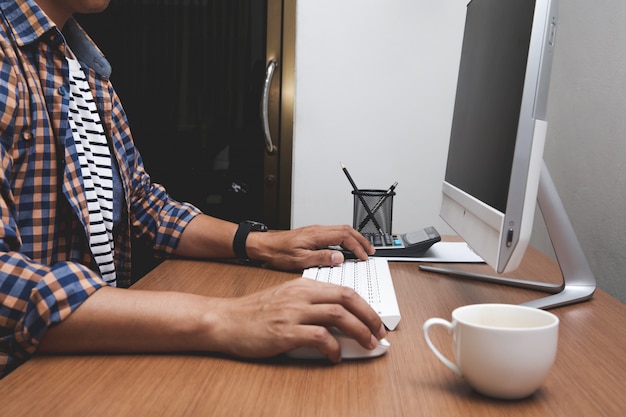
x,y
489,96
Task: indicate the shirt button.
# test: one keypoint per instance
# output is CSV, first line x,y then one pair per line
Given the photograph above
x,y
62,90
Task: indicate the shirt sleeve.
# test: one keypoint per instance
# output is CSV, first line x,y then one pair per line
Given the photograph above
x,y
34,297
163,218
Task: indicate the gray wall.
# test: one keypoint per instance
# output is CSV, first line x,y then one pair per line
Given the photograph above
x,y
586,143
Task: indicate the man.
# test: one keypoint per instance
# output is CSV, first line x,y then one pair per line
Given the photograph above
x,y
73,189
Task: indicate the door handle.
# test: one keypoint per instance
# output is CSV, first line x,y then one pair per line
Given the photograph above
x,y
269,75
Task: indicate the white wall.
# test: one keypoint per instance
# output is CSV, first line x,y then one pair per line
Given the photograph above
x,y
375,84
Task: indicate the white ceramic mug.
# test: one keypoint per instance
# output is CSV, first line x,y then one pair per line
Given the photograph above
x,y
502,350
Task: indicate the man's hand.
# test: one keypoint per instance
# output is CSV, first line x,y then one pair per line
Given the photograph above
x,y
307,246
294,314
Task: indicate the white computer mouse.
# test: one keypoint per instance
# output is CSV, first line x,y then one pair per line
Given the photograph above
x,y
350,348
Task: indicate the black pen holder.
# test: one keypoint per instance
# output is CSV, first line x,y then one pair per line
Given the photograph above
x,y
378,213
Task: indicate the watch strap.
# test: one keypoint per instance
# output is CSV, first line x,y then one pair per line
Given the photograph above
x,y
239,242
241,236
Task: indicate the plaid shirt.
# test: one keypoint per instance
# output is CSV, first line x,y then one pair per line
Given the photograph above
x,y
46,268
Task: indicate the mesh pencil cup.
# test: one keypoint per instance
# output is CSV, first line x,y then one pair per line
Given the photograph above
x,y
380,205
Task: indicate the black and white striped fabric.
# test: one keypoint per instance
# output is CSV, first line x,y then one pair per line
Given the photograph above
x,y
95,162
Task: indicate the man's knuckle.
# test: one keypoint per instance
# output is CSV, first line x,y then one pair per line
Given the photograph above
x,y
319,334
335,311
348,294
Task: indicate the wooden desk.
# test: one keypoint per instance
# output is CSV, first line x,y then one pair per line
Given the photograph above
x,y
588,378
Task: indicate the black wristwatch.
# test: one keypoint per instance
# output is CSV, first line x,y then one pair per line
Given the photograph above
x,y
239,242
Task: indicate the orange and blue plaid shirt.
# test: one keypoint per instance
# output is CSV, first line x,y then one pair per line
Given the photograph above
x,y
46,267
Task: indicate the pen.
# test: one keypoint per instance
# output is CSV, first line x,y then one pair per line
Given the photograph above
x,y
358,194
378,205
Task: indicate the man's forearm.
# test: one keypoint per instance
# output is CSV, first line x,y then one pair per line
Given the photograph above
x,y
207,237
120,320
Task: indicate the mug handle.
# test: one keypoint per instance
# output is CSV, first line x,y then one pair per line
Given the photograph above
x,y
436,321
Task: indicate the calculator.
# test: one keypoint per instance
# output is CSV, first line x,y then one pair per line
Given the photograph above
x,y
410,245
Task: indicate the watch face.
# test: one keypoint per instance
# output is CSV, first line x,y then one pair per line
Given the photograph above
x,y
257,226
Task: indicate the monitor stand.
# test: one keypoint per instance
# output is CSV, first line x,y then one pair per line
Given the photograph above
x,y
578,283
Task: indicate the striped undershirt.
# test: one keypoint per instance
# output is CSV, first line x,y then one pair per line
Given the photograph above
x,y
95,161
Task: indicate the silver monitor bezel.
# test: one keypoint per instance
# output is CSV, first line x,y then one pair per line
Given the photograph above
x,y
501,238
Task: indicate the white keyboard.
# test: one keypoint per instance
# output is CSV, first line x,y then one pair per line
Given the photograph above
x,y
371,279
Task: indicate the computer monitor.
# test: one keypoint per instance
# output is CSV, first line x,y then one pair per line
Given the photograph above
x,y
495,169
